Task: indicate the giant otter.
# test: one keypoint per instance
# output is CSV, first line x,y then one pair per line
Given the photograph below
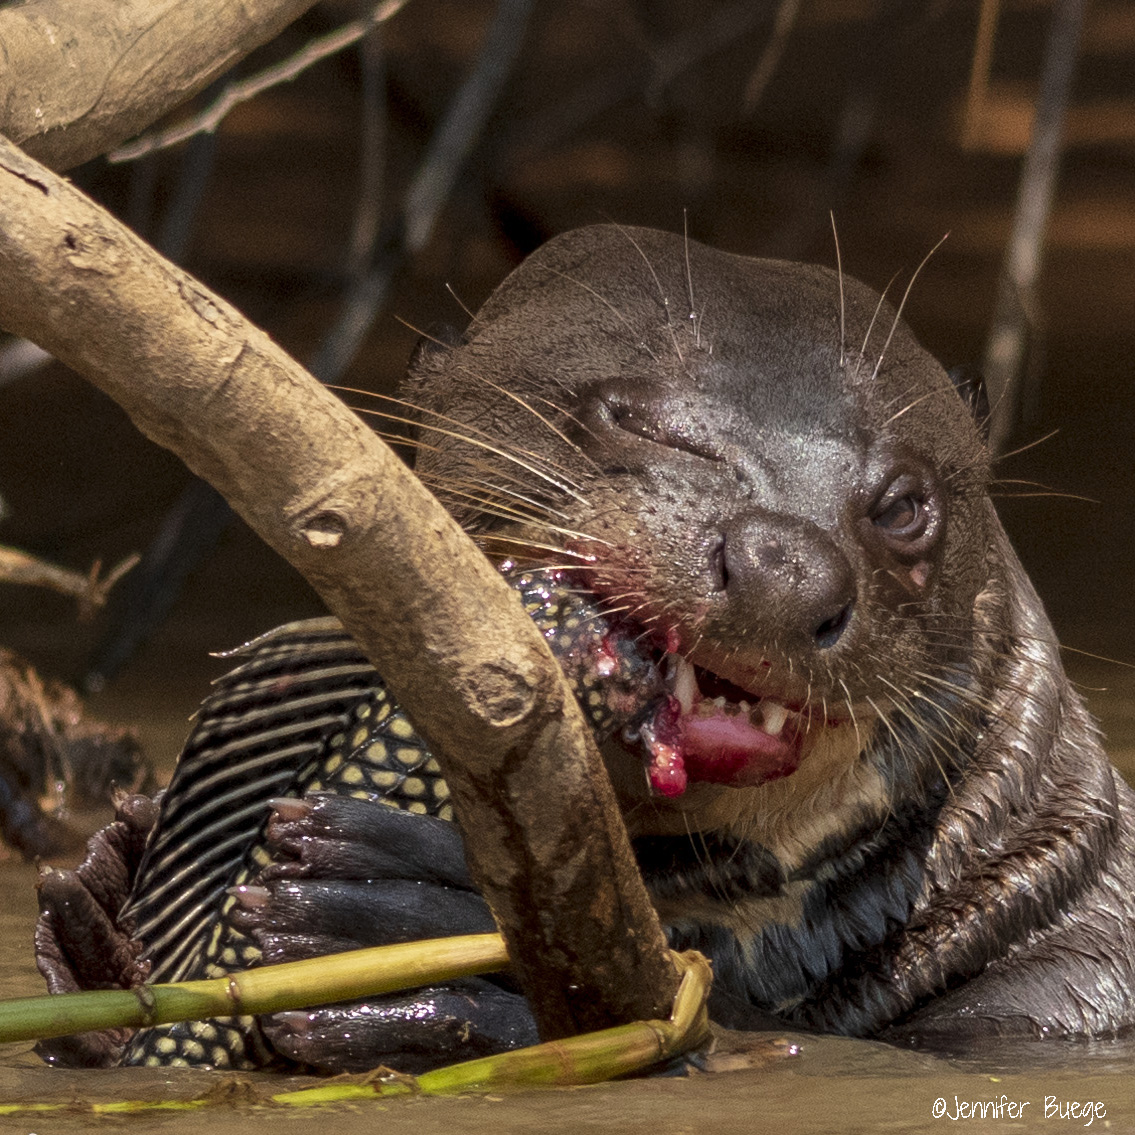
x,y
862,783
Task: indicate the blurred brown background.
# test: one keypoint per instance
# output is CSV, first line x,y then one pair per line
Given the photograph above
x,y
643,112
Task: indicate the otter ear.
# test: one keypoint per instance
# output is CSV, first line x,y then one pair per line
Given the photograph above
x,y
970,386
425,386
432,347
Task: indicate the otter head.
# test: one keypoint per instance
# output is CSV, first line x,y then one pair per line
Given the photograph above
x,y
754,462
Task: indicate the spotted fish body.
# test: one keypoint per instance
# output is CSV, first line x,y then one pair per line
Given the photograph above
x,y
304,712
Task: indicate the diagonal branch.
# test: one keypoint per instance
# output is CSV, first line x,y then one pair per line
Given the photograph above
x,y
436,619
207,121
79,76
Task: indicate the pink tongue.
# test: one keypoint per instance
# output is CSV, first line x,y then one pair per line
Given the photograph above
x,y
716,747
729,749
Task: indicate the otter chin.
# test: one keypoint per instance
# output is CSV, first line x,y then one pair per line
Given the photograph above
x,y
755,522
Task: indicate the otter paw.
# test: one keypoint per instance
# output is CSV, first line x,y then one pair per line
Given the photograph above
x,y
325,836
292,919
78,941
348,873
410,1032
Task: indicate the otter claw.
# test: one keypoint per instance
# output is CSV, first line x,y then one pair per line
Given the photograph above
x,y
250,896
289,808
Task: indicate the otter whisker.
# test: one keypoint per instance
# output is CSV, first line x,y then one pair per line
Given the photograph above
x,y
934,748
492,501
416,443
910,697
842,310
902,304
540,417
460,302
1027,446
552,568
570,417
851,711
542,474
694,317
494,490
421,334
663,298
871,326
910,406
494,537
1046,496
465,432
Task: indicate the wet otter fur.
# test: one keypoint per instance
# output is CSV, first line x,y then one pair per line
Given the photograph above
x,y
874,800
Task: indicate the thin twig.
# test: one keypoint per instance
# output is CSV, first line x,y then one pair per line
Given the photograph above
x,y
979,72
286,70
372,148
453,141
1016,310
447,153
785,19
720,28
90,590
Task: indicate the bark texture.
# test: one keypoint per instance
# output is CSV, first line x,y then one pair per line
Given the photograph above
x,y
79,76
545,838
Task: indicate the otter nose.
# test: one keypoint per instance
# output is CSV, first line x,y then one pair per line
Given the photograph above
x,y
785,579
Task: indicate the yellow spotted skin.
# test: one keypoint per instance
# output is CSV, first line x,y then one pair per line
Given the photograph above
x,y
381,759
305,712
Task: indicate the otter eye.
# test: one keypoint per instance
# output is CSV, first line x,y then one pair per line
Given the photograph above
x,y
654,419
634,421
902,517
907,514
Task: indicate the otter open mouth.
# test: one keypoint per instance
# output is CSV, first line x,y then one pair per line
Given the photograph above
x,y
709,729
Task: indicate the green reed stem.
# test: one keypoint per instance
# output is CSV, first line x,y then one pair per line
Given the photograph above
x,y
586,1059
267,989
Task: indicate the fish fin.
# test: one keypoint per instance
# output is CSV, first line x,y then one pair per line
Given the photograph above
x,y
264,726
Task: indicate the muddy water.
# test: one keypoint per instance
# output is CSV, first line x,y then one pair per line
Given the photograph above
x,y
832,1084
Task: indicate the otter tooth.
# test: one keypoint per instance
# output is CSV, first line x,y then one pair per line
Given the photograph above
x,y
685,683
775,715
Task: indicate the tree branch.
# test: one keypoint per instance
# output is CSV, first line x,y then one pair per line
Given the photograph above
x,y
80,77
237,92
545,838
90,590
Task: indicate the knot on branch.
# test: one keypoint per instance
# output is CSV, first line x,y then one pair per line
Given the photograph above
x,y
503,693
88,250
204,304
323,529
325,513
